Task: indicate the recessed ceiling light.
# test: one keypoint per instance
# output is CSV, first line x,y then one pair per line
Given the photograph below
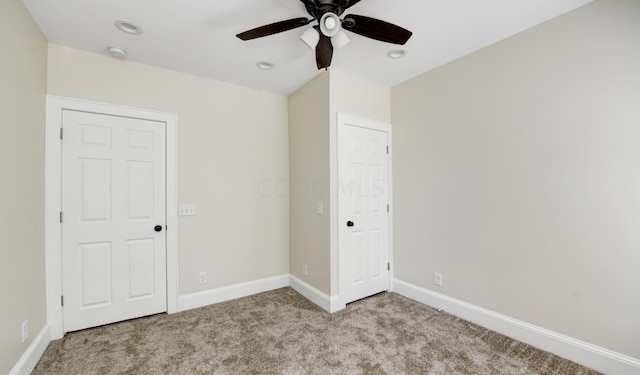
x,y
117,52
128,27
264,65
397,53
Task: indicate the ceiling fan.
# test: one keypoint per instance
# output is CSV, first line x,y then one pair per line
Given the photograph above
x,y
328,33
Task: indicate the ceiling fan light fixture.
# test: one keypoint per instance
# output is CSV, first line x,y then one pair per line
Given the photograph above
x,y
330,24
340,40
310,38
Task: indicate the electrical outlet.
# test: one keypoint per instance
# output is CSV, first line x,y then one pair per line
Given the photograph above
x,y
305,270
437,278
25,330
202,278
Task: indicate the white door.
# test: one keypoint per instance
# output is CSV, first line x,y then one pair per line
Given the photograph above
x,y
113,219
363,198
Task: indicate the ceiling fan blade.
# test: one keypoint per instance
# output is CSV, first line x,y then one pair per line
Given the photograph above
x,y
376,29
324,52
274,28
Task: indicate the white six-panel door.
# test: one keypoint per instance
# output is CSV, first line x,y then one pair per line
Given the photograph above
x,y
363,199
114,218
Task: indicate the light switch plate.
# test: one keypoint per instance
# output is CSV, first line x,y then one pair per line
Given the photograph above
x,y
187,210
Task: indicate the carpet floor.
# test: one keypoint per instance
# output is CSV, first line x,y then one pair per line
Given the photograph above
x,y
281,332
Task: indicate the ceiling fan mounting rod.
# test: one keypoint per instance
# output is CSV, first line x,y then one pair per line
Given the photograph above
x,y
335,3
317,8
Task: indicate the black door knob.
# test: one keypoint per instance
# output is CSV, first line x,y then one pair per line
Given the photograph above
x,y
350,223
158,228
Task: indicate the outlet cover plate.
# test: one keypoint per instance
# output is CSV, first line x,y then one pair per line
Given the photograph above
x,y
202,278
437,278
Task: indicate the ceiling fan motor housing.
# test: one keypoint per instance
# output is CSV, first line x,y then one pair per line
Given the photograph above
x,y
317,8
335,3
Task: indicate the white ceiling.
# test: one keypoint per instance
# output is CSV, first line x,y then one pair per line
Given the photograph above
x,y
198,37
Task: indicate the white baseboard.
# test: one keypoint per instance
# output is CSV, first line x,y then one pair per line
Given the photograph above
x,y
32,355
210,297
328,303
592,356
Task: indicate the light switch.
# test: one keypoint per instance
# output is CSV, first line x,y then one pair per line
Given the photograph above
x,y
187,210
320,208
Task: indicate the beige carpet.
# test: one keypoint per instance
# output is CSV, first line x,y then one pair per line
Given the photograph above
x,y
280,332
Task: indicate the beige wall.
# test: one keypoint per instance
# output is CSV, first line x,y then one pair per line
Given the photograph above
x,y
232,147
517,175
23,68
357,97
313,111
309,182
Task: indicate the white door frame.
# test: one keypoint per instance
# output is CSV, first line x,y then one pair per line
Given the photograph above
x,y
53,197
342,259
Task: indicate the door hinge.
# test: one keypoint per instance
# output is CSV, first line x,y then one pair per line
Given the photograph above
x,y
388,266
387,150
62,301
60,217
387,207
61,133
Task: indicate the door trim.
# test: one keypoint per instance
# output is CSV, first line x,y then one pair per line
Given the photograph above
x,y
53,194
343,119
